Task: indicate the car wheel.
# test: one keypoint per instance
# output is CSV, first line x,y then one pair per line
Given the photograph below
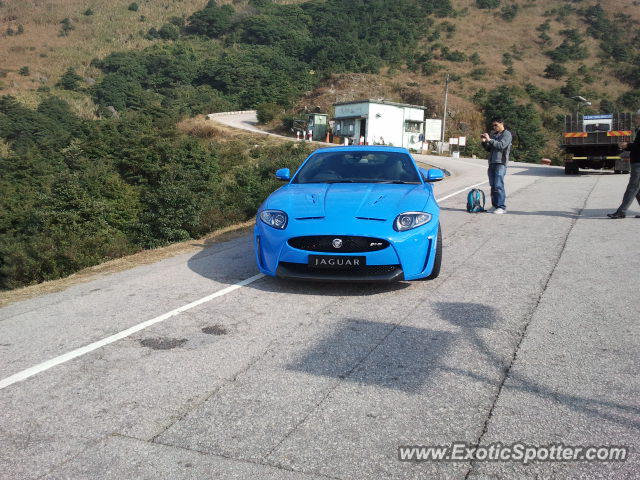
x,y
438,260
571,170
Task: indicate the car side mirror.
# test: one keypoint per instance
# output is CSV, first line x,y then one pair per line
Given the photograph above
x,y
283,174
434,175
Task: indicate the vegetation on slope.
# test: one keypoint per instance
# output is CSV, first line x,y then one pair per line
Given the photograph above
x,y
92,165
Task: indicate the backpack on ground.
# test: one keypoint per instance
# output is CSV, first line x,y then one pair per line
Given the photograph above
x,y
475,201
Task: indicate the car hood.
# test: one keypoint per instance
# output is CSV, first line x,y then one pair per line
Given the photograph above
x,y
362,200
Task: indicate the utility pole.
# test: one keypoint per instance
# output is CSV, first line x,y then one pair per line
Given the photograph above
x,y
444,112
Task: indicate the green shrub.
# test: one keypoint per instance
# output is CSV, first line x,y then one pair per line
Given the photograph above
x,y
572,87
168,31
133,7
66,28
478,73
430,68
571,48
24,71
555,71
212,21
268,111
475,58
509,12
70,80
487,4
630,101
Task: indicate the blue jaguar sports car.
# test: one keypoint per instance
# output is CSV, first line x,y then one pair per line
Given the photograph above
x,y
352,214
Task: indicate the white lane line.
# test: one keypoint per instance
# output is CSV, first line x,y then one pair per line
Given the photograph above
x,y
460,191
41,367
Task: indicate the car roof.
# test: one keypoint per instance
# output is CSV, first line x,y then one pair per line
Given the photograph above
x,y
363,148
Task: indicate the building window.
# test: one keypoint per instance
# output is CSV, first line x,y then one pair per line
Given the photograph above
x,y
413,127
345,127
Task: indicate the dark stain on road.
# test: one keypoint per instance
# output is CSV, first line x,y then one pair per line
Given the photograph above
x,y
215,330
160,343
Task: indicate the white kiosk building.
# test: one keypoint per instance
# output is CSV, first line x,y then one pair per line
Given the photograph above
x,y
378,122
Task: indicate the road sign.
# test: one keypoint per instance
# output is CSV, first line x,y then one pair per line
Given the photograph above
x,y
432,129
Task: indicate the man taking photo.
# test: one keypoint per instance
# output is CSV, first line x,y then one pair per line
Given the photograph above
x,y
498,144
633,188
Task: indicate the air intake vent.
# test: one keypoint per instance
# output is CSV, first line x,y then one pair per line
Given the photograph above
x,y
338,243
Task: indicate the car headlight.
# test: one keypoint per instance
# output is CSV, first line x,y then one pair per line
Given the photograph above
x,y
409,220
274,218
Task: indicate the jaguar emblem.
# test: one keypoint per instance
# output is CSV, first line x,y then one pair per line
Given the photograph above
x,y
337,243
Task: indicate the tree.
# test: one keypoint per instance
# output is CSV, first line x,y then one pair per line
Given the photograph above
x,y
168,31
212,21
571,48
509,12
572,87
607,106
555,70
522,120
133,7
630,100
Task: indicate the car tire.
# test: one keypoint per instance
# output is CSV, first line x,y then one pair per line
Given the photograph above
x,y
438,260
571,170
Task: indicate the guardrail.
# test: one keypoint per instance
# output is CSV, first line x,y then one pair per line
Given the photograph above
x,y
211,116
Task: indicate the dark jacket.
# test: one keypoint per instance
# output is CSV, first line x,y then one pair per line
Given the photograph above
x,y
499,147
634,148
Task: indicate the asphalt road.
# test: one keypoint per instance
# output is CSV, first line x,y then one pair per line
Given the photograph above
x,y
530,334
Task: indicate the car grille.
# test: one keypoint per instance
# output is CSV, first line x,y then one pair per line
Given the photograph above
x,y
350,244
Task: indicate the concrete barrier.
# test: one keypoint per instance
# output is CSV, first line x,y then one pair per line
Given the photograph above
x,y
211,116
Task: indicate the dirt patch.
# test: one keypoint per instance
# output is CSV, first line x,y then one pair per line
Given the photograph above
x,y
125,263
215,330
160,343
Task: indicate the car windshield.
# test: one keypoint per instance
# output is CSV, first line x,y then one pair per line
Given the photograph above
x,y
358,167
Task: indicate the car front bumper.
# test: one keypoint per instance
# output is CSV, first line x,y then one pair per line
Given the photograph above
x,y
409,256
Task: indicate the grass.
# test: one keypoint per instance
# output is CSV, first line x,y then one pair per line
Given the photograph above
x,y
111,27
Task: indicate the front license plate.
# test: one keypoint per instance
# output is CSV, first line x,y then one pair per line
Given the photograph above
x,y
338,262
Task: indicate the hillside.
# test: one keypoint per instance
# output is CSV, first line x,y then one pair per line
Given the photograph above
x,y
96,160
97,29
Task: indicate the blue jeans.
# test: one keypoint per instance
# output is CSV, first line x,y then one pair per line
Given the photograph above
x,y
633,189
496,180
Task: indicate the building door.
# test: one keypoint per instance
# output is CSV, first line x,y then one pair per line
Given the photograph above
x,y
363,130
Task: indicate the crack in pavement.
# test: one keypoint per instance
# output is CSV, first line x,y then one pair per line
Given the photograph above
x,y
366,356
523,332
228,457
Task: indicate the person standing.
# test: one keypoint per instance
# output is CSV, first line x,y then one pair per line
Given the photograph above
x,y
633,188
498,144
